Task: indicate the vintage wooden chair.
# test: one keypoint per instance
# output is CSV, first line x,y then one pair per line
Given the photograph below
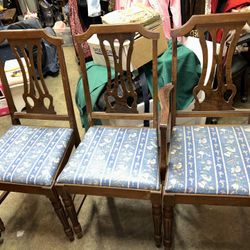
x,y
207,164
33,155
116,161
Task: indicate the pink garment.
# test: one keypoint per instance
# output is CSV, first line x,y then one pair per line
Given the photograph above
x,y
76,27
160,6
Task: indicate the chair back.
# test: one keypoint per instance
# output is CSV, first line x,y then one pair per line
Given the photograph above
x,y
120,95
214,94
38,103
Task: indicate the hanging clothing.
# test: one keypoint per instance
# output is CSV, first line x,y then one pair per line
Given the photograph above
x,y
208,5
79,19
234,4
28,6
211,6
197,7
192,7
94,8
214,4
76,26
161,6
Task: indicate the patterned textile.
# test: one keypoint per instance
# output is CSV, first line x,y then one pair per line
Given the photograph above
x,y
162,7
76,26
209,160
31,155
116,157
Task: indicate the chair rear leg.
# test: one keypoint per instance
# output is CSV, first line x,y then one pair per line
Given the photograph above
x,y
244,85
58,207
157,218
70,208
2,228
168,226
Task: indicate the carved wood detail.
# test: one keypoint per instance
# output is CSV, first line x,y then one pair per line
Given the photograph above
x,y
56,203
219,90
36,95
120,95
70,208
168,225
157,218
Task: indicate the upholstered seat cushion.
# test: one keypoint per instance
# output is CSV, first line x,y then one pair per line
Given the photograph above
x,y
209,160
115,157
31,155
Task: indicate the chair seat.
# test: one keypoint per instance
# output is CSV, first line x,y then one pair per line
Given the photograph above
x,y
209,160
32,155
115,157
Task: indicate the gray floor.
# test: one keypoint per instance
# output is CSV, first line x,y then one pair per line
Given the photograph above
x,y
116,223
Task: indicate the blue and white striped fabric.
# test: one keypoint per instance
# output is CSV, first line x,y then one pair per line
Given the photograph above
x,y
115,157
209,160
31,155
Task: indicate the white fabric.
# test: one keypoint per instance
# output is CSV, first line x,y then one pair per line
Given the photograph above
x,y
94,8
208,7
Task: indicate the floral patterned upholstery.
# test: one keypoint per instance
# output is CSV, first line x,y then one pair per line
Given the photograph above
x,y
31,155
209,160
116,157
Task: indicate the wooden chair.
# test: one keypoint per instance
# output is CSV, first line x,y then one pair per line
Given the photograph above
x,y
33,155
116,161
207,164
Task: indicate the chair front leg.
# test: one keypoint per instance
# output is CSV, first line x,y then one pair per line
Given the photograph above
x,y
157,218
2,228
70,208
58,207
168,226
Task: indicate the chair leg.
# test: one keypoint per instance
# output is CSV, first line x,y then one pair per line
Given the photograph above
x,y
244,85
2,228
157,218
58,207
168,225
70,208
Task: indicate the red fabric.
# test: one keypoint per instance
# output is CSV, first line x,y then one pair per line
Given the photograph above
x,y
76,26
214,4
233,4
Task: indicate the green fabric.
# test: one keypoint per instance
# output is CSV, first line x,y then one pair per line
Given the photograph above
x,y
97,77
188,69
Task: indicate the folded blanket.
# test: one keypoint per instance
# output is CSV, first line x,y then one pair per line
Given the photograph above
x,y
138,13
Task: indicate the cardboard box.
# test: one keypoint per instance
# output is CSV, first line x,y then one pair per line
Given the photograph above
x,y
15,81
142,52
140,107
